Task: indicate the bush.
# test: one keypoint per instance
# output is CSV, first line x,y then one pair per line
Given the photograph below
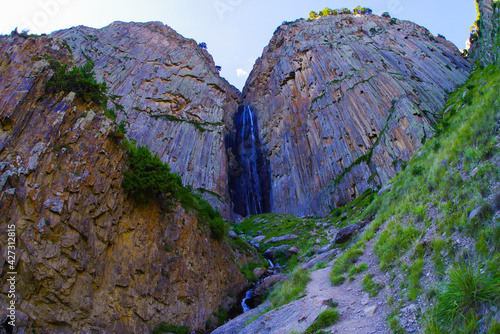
x,y
325,319
162,327
149,177
80,80
386,15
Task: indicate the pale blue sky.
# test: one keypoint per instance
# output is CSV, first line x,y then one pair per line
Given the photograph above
x,y
235,31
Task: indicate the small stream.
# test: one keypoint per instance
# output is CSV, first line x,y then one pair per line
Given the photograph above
x,y
249,293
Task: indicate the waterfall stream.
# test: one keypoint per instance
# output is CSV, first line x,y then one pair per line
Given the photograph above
x,y
249,173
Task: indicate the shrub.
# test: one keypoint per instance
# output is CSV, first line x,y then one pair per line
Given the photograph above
x,y
203,45
149,177
313,15
80,80
162,327
362,10
386,15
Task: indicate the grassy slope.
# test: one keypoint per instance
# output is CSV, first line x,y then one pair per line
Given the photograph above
x,y
439,218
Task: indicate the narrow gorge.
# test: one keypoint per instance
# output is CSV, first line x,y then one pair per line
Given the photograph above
x,y
333,109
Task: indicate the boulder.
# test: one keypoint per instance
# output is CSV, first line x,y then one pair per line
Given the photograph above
x,y
269,254
259,272
258,239
346,233
282,238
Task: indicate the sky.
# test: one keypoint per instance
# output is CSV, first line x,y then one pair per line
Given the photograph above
x,y
235,31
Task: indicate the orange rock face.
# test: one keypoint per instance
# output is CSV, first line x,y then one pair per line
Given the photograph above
x,y
343,100
89,259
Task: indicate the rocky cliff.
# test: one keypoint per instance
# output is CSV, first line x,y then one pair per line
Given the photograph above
x,y
343,101
88,259
485,38
169,92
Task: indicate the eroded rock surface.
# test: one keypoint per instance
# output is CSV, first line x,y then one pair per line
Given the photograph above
x,y
172,96
88,259
343,100
485,38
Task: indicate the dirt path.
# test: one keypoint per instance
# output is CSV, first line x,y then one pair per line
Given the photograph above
x,y
359,313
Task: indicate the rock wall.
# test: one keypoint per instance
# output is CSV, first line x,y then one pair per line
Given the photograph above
x,y
172,96
88,259
343,100
485,38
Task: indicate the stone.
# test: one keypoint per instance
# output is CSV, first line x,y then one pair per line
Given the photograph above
x,y
258,239
385,189
233,235
172,95
319,122
476,212
269,253
346,233
282,238
90,246
292,251
370,311
484,46
259,272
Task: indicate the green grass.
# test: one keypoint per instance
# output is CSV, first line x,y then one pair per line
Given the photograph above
x,y
344,263
291,289
370,286
325,319
460,300
162,327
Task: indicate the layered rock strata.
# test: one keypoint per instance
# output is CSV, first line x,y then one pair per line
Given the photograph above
x,y
342,101
169,93
485,39
87,258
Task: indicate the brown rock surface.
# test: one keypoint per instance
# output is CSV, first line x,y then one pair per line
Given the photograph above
x,y
89,259
343,100
172,96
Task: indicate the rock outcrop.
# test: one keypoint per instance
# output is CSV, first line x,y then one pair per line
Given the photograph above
x,y
342,101
169,92
87,258
485,38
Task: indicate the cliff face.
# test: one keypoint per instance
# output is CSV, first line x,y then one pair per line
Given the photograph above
x,y
172,96
88,259
343,100
485,40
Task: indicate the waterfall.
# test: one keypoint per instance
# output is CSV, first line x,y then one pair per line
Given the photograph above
x,y
249,174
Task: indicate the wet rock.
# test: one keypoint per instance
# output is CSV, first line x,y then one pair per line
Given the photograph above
x,y
346,233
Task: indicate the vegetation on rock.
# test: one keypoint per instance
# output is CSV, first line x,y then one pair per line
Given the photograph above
x,y
79,79
148,178
329,12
